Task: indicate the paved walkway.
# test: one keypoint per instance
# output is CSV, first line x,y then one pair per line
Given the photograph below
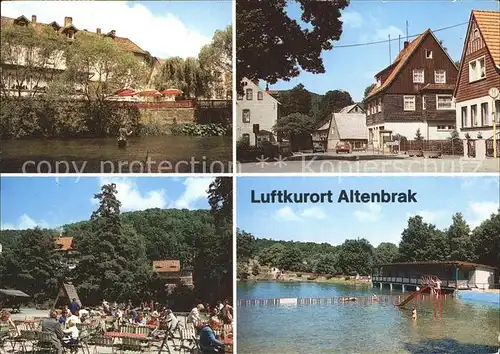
x,y
406,165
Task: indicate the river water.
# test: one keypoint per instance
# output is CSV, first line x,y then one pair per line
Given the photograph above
x,y
355,328
166,154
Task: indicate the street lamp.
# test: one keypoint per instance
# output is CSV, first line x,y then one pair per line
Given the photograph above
x,y
494,93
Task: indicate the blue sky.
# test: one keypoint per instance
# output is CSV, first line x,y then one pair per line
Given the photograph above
x,y
50,202
438,199
164,28
352,69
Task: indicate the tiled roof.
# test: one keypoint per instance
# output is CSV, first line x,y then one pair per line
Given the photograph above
x,y
351,125
64,243
489,26
400,62
167,266
347,109
123,43
449,87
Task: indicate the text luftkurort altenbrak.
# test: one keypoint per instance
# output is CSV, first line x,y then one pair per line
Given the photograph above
x,y
343,196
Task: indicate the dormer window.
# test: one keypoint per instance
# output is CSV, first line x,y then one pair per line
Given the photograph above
x,y
379,81
428,54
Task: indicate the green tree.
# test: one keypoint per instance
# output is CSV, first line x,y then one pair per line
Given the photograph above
x,y
418,135
385,253
332,102
270,256
356,256
421,241
326,264
368,89
111,254
486,239
275,47
459,240
216,59
245,243
294,127
454,134
32,265
97,66
291,259
297,100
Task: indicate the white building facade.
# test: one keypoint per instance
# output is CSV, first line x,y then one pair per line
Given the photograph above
x,y
256,114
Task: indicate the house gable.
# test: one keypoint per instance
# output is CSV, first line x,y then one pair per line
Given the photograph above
x,y
257,88
476,46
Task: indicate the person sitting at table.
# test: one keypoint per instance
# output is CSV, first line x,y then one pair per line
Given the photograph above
x,y
172,322
75,317
64,317
140,320
153,319
53,326
5,317
208,341
194,316
72,334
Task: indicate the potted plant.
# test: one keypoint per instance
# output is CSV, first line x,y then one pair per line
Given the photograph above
x,y
479,135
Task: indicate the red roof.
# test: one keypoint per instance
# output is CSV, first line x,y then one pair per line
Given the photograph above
x,y
64,243
125,92
171,92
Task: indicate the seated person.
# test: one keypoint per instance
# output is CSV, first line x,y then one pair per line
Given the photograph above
x,y
208,341
172,321
153,319
53,326
5,317
140,320
63,319
194,318
75,318
71,333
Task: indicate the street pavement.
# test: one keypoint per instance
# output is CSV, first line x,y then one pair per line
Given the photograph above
x,y
321,164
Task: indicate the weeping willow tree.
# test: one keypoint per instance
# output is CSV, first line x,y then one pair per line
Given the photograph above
x,y
184,74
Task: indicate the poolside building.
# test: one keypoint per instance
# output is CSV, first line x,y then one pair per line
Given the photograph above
x,y
454,275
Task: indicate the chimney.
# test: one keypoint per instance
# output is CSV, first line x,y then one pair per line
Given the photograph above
x,y
406,44
98,31
33,19
68,21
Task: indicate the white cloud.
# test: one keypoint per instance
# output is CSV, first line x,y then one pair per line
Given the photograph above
x,y
25,222
196,189
286,213
161,33
480,211
430,217
371,213
382,34
314,213
131,197
352,19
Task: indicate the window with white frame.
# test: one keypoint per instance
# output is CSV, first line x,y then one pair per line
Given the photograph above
x,y
477,70
409,103
428,54
444,102
240,97
249,94
485,120
418,76
440,76
260,95
423,103
246,116
463,115
473,115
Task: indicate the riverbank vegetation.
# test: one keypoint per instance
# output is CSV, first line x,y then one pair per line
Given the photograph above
x,y
116,251
420,241
60,88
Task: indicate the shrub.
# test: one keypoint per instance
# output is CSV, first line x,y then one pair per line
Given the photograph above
x,y
299,275
329,276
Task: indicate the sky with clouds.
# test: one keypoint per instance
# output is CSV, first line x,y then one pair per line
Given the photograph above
x,y
353,68
164,28
50,202
438,199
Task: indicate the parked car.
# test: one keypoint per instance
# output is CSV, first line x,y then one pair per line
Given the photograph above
x,y
343,146
318,148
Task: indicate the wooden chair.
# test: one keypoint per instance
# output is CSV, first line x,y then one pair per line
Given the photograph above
x,y
101,341
44,343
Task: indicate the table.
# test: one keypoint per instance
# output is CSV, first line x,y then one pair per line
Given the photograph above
x,y
125,335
